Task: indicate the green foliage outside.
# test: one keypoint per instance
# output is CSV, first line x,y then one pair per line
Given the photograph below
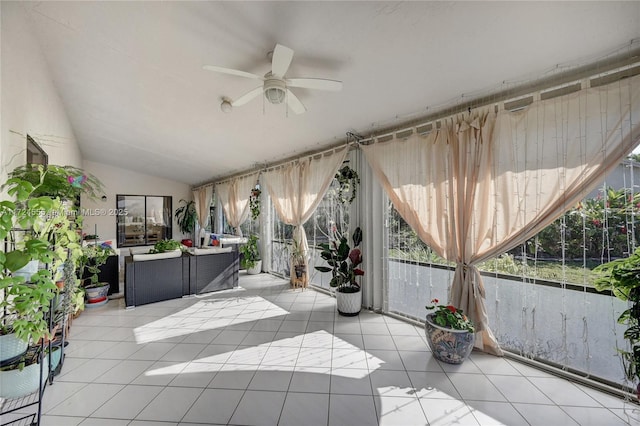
x,y
595,231
622,277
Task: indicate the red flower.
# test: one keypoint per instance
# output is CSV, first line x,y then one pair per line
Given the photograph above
x,y
355,256
434,300
452,308
357,271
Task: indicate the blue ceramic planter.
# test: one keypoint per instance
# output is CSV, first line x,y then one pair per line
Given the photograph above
x,y
448,345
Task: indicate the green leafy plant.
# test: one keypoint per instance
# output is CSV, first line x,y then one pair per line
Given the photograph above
x,y
343,262
254,202
298,257
450,316
165,245
93,257
296,252
250,252
622,278
187,216
65,182
348,181
52,238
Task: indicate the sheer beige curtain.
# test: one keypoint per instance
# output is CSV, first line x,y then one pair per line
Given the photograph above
x,y
234,197
297,188
483,183
202,197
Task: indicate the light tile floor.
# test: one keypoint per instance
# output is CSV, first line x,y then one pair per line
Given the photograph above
x,y
264,354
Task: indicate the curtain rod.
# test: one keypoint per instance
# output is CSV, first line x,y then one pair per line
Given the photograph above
x,y
279,163
591,70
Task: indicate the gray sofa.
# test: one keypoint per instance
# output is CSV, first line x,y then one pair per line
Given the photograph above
x,y
155,280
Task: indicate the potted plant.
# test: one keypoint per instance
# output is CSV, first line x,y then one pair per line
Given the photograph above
x,y
450,333
343,264
254,202
93,257
64,182
38,228
187,218
622,278
348,181
251,260
30,225
298,258
164,246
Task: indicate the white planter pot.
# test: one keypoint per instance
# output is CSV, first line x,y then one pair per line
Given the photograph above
x,y
349,304
28,270
257,268
18,383
11,346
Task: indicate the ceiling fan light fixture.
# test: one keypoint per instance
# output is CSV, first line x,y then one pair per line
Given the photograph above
x,y
276,87
274,90
275,95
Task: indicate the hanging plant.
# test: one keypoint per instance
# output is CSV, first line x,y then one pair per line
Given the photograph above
x,y
254,202
348,180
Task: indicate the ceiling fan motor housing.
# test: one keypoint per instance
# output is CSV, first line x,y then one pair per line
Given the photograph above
x,y
275,90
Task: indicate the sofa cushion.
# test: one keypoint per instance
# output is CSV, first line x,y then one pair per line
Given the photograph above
x,y
139,250
210,250
155,256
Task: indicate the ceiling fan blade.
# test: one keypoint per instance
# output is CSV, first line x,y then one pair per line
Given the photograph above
x,y
294,103
281,60
248,96
315,83
232,72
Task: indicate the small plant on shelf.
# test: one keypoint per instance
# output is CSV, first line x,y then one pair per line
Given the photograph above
x,y
298,258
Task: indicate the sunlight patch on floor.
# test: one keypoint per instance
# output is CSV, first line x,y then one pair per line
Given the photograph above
x,y
207,315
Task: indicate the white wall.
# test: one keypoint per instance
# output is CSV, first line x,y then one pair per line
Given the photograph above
x,y
125,182
29,102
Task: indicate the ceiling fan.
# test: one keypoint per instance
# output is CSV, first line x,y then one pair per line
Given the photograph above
x,y
275,87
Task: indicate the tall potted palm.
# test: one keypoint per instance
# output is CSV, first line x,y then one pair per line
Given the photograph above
x,y
344,262
187,218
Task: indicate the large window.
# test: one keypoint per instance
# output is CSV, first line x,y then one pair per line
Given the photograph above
x,y
143,219
35,153
539,296
330,216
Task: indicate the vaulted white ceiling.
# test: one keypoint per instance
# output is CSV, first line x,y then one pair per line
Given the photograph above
x,y
130,73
